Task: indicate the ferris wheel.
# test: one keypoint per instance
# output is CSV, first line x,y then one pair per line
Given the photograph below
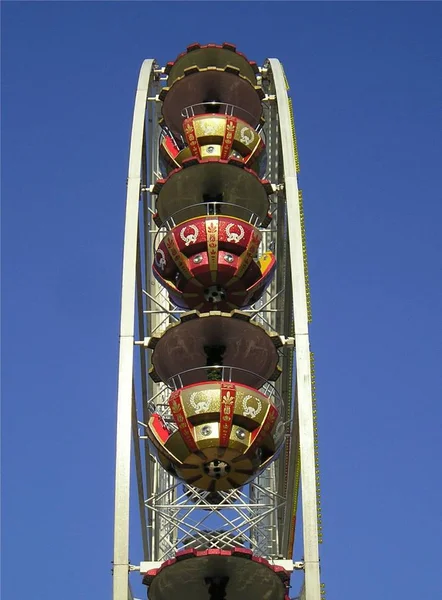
x,y
216,406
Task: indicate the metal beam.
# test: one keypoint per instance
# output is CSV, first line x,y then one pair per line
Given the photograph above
x,y
139,475
303,367
125,372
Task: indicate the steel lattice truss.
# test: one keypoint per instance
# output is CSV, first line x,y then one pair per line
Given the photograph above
x,y
191,520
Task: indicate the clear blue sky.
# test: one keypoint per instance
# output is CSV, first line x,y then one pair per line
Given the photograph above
x,y
365,79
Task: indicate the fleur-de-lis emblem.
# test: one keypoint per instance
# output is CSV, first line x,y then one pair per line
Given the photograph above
x,y
176,406
191,237
212,228
228,398
232,236
272,416
256,238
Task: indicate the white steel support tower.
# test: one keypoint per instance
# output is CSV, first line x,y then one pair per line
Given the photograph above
x,y
181,516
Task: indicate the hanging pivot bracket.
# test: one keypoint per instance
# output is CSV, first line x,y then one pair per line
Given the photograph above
x,y
288,341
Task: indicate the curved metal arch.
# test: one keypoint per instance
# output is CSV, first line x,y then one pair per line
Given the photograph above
x,y
302,358
125,371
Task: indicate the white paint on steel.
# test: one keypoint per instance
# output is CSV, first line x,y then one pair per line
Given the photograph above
x,y
303,371
287,565
125,373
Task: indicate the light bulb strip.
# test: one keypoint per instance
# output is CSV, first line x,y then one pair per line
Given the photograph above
x,y
304,254
295,143
316,447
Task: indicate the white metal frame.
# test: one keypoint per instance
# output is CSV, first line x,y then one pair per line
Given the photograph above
x,y
262,511
125,372
304,399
